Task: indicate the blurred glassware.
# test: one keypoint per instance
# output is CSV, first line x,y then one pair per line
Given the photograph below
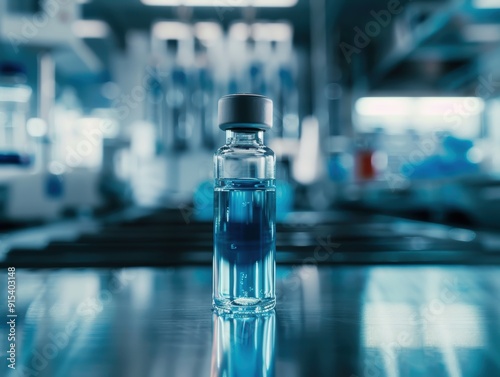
x,y
155,110
338,167
287,112
177,101
257,78
340,162
15,98
204,100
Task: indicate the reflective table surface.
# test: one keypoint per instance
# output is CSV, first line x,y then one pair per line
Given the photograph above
x,y
330,320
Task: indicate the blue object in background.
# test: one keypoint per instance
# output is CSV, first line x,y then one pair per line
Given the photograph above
x,y
286,77
257,79
17,159
12,69
452,162
54,186
337,168
233,85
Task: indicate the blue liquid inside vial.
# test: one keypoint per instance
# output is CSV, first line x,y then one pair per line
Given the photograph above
x,y
244,237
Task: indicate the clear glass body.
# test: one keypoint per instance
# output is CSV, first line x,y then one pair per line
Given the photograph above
x,y
244,225
244,346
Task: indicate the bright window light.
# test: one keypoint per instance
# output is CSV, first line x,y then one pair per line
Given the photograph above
x,y
222,3
440,105
482,33
15,94
485,4
372,106
387,324
36,127
382,106
274,32
307,156
143,140
262,31
459,325
208,31
460,116
90,29
239,31
171,30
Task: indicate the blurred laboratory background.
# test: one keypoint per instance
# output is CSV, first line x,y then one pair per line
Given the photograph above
x,y
386,107
388,188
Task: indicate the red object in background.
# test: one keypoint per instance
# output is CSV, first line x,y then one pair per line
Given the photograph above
x,y
364,165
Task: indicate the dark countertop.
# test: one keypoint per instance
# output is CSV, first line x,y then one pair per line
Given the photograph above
x,y
352,321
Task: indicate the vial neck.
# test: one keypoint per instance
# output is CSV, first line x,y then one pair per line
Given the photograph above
x,y
246,137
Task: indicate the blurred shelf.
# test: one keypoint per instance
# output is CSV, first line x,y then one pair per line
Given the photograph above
x,y
163,238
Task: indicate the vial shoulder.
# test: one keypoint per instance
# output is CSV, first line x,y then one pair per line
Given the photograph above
x,y
227,150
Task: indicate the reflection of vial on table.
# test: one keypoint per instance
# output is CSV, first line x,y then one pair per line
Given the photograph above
x,y
245,206
243,346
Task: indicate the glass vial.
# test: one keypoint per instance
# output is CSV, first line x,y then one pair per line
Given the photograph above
x,y
245,208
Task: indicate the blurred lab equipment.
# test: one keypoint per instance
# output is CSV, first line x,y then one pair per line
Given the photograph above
x,y
451,162
15,95
184,78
